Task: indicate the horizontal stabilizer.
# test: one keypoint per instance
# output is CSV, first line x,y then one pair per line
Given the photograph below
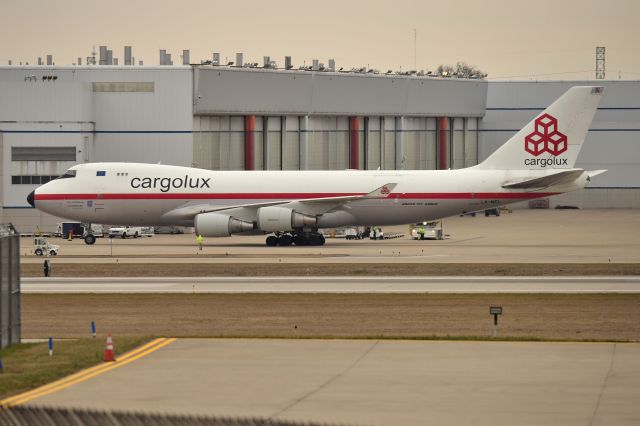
x,y
593,173
546,181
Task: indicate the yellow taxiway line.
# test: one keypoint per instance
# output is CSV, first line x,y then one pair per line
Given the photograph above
x,y
83,375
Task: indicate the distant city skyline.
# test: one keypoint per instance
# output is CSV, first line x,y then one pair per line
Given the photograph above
x,y
506,39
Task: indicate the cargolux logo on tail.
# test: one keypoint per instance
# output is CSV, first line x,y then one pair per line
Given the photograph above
x,y
546,138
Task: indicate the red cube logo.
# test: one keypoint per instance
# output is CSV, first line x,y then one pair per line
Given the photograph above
x,y
546,137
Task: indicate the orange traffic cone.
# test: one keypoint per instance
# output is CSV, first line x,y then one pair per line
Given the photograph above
x,y
109,352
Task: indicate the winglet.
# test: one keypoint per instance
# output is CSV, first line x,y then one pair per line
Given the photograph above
x,y
382,192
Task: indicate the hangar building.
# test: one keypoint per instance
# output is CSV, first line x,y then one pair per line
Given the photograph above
x,y
235,118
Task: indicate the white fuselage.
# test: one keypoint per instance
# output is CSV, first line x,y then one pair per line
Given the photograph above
x,y
150,194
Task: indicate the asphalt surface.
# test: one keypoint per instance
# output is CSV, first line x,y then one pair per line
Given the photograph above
x,y
376,382
524,236
598,284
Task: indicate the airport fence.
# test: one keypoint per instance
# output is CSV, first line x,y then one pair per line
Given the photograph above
x,y
46,416
9,285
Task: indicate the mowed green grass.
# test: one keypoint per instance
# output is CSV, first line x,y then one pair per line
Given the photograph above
x,y
28,365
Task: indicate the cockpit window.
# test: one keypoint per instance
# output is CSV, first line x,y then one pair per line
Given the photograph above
x,y
68,174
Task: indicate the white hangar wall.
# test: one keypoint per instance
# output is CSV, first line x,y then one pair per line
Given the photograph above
x,y
248,118
54,117
228,90
613,141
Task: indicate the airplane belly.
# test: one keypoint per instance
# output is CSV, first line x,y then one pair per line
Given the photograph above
x,y
134,212
392,212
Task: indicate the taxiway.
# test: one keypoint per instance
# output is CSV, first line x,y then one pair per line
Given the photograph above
x,y
597,284
376,382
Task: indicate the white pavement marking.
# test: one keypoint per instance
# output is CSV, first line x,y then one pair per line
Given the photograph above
x,y
610,284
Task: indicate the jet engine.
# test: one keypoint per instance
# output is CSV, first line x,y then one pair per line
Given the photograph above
x,y
219,225
274,218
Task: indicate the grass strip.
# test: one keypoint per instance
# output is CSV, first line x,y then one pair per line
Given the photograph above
x,y
608,317
329,269
28,365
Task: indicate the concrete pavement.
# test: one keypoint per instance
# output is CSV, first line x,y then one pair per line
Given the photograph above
x,y
376,382
596,284
529,236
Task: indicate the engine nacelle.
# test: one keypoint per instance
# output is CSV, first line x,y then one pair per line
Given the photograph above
x,y
274,218
219,225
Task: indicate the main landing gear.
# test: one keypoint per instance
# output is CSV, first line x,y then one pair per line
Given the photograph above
x,y
298,238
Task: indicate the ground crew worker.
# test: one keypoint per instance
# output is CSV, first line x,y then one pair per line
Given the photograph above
x,y
200,241
422,232
47,268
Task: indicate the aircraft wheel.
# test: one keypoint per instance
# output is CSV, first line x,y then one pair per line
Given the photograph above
x,y
316,240
90,239
285,240
272,241
300,240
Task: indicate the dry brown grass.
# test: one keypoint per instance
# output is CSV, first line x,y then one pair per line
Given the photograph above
x,y
544,316
330,269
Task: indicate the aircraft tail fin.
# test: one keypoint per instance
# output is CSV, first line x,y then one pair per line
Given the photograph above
x,y
554,138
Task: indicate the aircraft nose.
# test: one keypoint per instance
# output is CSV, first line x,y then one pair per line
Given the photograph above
x,y
31,197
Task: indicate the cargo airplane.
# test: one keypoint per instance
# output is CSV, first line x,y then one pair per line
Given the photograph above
x,y
536,162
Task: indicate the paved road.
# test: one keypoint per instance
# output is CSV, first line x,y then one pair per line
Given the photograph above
x,y
627,284
526,236
376,382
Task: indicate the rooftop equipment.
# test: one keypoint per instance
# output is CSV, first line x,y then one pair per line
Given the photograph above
x,y
127,56
103,56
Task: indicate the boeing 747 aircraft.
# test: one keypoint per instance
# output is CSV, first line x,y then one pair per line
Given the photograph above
x,y
292,205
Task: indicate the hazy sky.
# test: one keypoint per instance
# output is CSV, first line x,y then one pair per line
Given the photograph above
x,y
505,38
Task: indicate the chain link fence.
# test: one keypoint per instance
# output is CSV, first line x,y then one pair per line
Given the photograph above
x,y
43,416
9,285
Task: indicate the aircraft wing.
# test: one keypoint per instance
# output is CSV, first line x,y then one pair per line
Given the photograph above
x,y
559,178
311,206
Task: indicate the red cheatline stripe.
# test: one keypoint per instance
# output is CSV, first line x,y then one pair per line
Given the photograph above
x,y
478,195
295,196
188,196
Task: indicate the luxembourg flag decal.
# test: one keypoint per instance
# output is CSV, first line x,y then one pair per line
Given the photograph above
x,y
101,173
